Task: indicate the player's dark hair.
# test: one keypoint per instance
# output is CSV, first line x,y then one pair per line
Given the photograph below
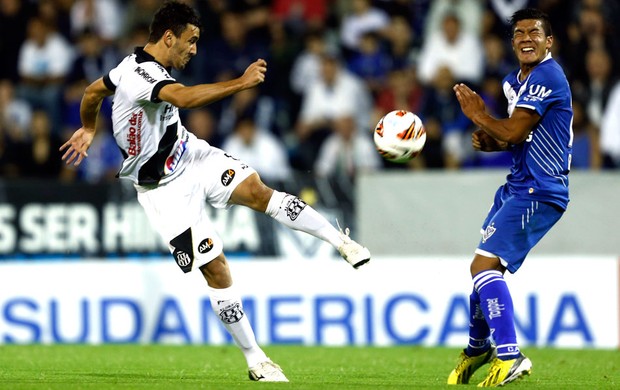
x,y
172,16
531,13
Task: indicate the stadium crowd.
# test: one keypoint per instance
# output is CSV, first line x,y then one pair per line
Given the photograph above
x,y
334,68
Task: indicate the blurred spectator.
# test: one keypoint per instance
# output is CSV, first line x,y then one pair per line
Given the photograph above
x,y
300,15
138,13
347,151
225,56
589,32
594,90
136,37
40,157
202,123
432,156
260,149
15,119
45,59
104,17
14,16
337,91
468,12
104,158
94,58
400,40
440,104
496,61
610,130
306,70
502,11
586,151
371,63
15,114
401,92
57,15
360,18
283,50
246,103
452,47
256,16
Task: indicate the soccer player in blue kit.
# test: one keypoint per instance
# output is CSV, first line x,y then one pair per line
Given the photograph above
x,y
538,133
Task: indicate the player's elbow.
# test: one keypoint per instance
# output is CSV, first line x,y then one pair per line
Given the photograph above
x,y
181,101
515,138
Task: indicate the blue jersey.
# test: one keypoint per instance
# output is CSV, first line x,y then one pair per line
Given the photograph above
x,y
541,162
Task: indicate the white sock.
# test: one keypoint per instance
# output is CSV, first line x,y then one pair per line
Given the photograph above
x,y
227,306
297,215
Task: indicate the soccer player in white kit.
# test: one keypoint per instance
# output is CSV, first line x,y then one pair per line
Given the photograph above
x,y
176,174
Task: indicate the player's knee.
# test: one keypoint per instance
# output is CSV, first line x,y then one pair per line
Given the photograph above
x,y
217,273
253,193
483,263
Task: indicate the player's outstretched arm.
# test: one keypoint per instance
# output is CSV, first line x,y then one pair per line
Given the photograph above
x,y
200,95
511,130
75,148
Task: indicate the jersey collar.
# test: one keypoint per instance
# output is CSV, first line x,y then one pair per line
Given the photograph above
x,y
142,56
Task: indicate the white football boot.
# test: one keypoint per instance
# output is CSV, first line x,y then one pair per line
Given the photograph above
x,y
267,371
351,251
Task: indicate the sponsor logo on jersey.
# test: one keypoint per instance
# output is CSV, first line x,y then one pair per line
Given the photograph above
x,y
173,160
145,75
134,134
169,111
227,177
294,208
231,313
488,232
537,93
205,245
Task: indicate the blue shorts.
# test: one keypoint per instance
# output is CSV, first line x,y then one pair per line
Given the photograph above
x,y
513,226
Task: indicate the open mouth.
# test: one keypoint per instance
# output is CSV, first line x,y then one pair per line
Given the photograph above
x,y
527,50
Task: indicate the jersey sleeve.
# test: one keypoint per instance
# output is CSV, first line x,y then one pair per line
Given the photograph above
x,y
543,90
142,82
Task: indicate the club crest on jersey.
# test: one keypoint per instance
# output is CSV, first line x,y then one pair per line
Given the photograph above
x,y
182,250
488,232
294,208
205,245
227,177
231,313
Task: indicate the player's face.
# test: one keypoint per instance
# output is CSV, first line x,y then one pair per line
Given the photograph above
x,y
184,47
529,41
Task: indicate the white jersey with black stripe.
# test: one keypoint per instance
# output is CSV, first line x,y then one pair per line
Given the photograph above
x,y
147,130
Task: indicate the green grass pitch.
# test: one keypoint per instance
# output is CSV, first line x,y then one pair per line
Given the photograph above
x,y
223,367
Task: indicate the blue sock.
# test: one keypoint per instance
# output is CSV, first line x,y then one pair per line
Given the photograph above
x,y
479,331
496,304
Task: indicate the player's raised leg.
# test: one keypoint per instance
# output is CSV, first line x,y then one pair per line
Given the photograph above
x,y
228,307
296,214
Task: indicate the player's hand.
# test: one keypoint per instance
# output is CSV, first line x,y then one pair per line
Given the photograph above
x,y
471,103
483,142
77,146
255,73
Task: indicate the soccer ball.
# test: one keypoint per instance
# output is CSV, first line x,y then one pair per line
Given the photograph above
x,y
400,136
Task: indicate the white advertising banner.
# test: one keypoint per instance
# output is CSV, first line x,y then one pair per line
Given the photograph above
x,y
559,302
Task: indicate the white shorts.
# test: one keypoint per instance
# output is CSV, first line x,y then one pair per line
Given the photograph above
x,y
177,209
